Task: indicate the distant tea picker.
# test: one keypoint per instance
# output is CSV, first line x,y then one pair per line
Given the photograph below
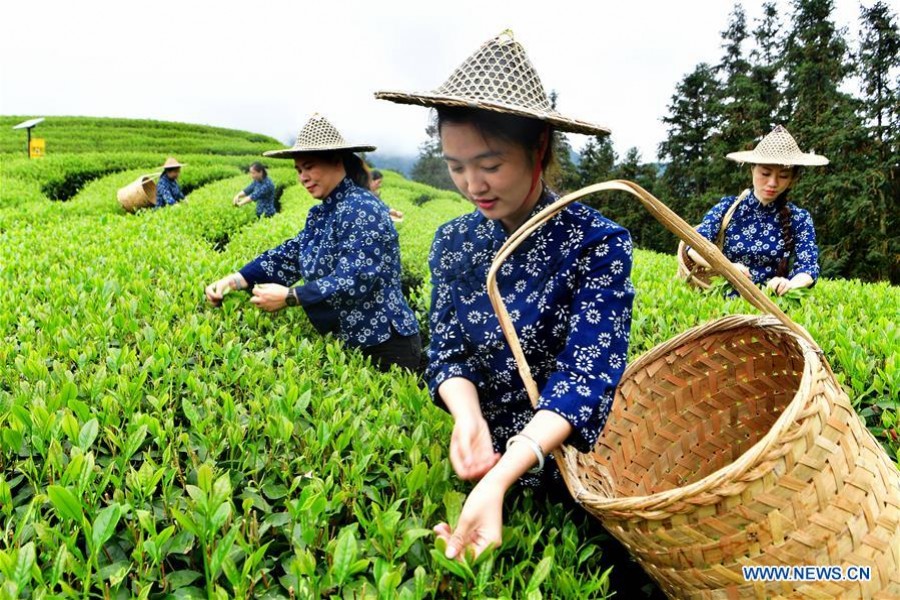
x,y
261,190
167,191
767,238
347,255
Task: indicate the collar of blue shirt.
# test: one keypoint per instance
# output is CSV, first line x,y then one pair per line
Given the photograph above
x,y
339,192
498,232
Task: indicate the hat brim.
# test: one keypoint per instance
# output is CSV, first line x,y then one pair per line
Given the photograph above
x,y
167,167
428,99
292,152
796,160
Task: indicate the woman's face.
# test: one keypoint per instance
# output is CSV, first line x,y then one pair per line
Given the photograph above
x,y
256,175
770,181
319,176
173,173
495,175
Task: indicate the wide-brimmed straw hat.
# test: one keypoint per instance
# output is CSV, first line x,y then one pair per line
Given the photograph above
x,y
499,77
778,148
318,135
172,163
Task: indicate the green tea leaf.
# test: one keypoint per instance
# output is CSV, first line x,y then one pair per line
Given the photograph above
x,y
65,503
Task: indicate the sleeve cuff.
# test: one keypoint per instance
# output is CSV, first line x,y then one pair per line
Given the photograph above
x,y
443,372
309,294
252,274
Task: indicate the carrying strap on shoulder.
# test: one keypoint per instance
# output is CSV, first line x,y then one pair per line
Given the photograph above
x,y
726,220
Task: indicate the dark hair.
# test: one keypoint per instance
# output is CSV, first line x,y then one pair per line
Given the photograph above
x,y
375,174
260,168
353,165
522,131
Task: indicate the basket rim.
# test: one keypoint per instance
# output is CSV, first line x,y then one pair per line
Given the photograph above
x,y
661,500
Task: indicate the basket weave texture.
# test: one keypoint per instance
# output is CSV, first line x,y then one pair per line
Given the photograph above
x,y
732,445
140,193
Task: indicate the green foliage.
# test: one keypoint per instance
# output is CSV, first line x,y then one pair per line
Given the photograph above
x,y
66,135
152,446
430,167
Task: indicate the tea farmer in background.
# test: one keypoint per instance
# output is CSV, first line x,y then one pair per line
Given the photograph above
x,y
347,255
768,238
375,180
261,190
567,288
167,190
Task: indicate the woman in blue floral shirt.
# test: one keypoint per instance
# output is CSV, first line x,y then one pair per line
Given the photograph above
x,y
567,289
167,190
769,239
261,190
347,255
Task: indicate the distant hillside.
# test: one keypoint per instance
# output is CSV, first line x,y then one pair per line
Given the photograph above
x,y
394,162
93,134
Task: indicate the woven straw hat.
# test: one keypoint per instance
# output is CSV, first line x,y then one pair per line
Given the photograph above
x,y
778,148
499,77
172,163
318,135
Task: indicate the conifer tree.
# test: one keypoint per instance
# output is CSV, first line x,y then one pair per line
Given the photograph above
x,y
692,120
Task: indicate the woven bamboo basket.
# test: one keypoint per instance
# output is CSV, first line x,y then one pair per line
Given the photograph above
x,y
694,274
140,193
732,445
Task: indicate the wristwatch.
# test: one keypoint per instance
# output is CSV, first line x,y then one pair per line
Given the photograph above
x,y
292,298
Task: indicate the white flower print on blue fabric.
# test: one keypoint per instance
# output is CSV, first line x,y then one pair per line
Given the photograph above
x,y
263,193
754,237
571,303
349,258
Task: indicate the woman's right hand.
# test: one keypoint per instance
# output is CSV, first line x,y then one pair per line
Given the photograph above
x,y
742,268
217,289
471,450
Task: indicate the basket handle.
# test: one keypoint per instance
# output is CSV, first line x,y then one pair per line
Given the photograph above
x,y
669,220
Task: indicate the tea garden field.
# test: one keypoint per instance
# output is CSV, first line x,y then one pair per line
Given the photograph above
x,y
153,446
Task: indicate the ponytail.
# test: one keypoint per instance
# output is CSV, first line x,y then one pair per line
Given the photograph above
x,y
356,169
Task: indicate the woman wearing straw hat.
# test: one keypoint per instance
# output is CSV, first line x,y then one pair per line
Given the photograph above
x,y
167,190
568,289
261,190
347,255
765,233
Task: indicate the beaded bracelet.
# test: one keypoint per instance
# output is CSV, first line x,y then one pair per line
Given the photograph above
x,y
535,447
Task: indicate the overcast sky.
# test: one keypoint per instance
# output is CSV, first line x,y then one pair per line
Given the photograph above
x,y
265,66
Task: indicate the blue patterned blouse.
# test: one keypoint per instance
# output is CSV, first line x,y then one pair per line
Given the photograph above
x,y
167,192
263,193
569,293
349,258
754,237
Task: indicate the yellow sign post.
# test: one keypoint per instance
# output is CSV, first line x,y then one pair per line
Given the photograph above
x,y
37,148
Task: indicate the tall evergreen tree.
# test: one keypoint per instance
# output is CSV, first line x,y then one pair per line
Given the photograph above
x,y
430,167
879,62
694,117
596,161
824,118
564,176
738,105
765,62
646,232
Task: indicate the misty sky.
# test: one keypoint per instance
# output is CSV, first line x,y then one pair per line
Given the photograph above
x,y
266,66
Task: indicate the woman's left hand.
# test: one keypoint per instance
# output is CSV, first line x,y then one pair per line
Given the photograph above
x,y
480,522
780,285
269,296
